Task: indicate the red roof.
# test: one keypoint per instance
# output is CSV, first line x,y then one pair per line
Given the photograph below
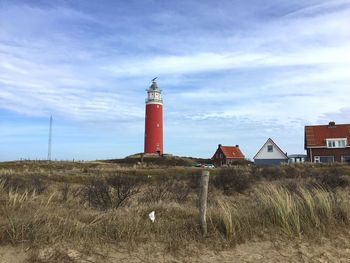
x,y
232,152
316,135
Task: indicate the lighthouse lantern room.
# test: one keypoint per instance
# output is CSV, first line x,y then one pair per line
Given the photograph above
x,y
154,120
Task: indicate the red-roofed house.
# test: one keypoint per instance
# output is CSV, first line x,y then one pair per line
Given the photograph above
x,y
226,155
328,143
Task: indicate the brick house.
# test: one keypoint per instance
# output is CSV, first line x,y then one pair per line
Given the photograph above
x,y
328,143
227,155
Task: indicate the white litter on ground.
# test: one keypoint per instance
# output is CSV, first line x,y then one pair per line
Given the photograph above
x,y
152,216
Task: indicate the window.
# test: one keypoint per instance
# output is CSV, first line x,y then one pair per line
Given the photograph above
x,y
345,159
336,143
341,143
324,159
269,148
331,144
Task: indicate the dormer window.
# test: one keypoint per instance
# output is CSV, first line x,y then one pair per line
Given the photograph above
x,y
336,143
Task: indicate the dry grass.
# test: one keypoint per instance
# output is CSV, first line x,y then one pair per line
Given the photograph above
x,y
60,214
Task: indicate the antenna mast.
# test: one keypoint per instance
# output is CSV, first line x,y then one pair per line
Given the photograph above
x,y
50,140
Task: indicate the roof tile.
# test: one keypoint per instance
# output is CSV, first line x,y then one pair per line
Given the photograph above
x,y
232,152
316,135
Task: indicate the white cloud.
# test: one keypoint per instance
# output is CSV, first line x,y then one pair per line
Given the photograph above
x,y
206,62
288,69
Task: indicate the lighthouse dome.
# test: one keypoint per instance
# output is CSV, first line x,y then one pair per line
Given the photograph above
x,y
154,85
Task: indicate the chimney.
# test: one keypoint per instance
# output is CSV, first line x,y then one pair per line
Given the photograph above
x,y
237,146
331,124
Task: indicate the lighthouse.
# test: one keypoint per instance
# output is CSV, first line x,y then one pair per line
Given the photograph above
x,y
154,120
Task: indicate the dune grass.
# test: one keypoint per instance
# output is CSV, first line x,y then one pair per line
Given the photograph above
x,y
49,211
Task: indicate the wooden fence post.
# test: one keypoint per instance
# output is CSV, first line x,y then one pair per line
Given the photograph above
x,y
203,196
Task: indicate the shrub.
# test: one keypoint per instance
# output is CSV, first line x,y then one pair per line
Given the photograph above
x,y
290,185
179,191
30,183
124,187
112,192
270,172
97,194
292,171
332,179
64,189
158,190
232,180
194,181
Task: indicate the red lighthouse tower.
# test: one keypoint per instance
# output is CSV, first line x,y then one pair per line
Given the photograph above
x,y
154,120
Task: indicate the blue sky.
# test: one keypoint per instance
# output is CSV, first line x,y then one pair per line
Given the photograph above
x,y
232,72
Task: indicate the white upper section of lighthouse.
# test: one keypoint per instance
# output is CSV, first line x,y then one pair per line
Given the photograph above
x,y
154,94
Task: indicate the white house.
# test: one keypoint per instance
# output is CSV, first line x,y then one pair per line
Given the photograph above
x,y
270,154
297,158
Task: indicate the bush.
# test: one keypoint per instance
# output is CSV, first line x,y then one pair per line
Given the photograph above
x,y
270,172
292,171
193,181
64,190
232,180
97,194
113,192
161,188
332,181
123,188
179,191
157,191
30,183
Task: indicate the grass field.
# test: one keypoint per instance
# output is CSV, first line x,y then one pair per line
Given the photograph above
x,y
71,211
